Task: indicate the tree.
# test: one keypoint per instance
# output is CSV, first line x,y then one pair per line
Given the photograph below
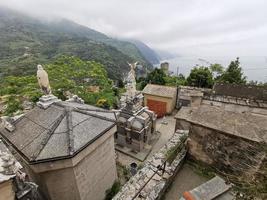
x,y
175,80
216,69
156,77
200,77
233,73
66,74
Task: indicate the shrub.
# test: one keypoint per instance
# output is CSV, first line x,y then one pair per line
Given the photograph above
x,y
110,193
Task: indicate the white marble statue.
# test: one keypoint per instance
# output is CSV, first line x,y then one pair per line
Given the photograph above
x,y
131,82
43,80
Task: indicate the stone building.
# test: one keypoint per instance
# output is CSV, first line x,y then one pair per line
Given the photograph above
x,y
136,124
229,134
160,99
66,147
189,96
165,67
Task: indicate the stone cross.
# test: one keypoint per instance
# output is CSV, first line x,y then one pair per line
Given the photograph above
x,y
43,80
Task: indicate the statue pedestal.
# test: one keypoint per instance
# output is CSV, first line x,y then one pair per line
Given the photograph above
x,y
46,100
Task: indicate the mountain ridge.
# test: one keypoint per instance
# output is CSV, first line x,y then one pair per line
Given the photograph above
x,y
27,41
148,53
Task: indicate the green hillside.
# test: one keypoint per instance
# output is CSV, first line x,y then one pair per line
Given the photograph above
x,y
147,52
25,42
66,75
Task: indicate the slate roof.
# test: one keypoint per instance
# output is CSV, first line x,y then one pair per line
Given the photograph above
x,y
160,90
60,131
248,125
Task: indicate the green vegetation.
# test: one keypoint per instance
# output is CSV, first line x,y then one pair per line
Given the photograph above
x,y
216,70
233,74
26,42
157,76
175,80
172,153
66,74
200,77
201,169
207,76
110,193
13,105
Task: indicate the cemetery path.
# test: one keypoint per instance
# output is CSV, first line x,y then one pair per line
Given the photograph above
x,y
185,180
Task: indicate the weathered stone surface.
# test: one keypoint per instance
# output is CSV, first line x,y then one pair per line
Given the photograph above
x,y
147,184
241,158
211,189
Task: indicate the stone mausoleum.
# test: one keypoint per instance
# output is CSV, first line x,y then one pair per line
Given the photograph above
x,y
136,124
66,147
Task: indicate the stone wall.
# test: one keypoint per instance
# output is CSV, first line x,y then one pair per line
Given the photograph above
x,y
96,172
234,101
243,91
147,184
238,158
59,183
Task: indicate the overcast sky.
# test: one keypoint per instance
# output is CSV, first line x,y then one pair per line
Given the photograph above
x,y
187,27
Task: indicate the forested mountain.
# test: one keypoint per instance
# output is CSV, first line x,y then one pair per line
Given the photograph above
x,y
25,42
148,53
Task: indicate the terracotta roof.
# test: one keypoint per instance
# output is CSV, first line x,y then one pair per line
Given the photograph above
x,y
247,125
60,131
160,90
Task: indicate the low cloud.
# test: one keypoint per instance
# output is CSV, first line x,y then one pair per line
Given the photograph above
x,y
225,28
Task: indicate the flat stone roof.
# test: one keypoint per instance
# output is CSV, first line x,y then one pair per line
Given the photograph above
x,y
247,125
60,131
160,90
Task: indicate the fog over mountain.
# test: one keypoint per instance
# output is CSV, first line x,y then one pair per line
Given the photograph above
x,y
225,28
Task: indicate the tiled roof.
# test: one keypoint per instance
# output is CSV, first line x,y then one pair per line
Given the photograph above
x,y
160,90
61,130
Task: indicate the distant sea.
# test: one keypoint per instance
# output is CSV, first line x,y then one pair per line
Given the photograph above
x,y
254,67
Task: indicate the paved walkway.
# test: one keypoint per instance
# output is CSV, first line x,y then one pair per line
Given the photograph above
x,y
166,131
185,180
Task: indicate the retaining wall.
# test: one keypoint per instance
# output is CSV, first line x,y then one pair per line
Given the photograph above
x,y
152,180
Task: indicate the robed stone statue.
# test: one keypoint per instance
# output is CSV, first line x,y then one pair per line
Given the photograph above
x,y
43,80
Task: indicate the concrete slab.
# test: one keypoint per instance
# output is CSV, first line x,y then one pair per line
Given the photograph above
x,y
185,180
209,190
142,155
